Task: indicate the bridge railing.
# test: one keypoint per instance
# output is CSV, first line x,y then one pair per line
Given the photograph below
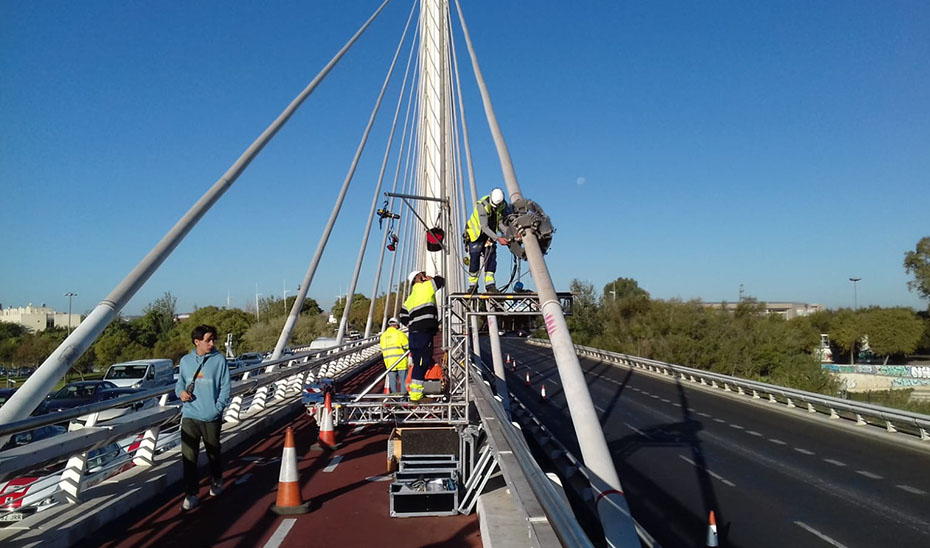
x,y
286,376
914,425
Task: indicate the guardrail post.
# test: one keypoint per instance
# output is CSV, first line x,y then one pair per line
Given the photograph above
x,y
862,422
810,408
772,398
145,454
834,414
791,403
755,394
890,427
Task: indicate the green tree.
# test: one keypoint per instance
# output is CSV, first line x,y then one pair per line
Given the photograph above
x,y
271,307
358,315
161,314
917,263
846,330
892,330
585,323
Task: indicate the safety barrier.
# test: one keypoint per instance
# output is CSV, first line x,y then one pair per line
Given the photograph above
x,y
286,375
914,425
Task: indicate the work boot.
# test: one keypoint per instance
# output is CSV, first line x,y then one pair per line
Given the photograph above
x,y
472,289
491,288
216,488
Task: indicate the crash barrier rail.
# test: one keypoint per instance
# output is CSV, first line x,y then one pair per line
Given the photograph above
x,y
895,421
286,374
510,450
567,465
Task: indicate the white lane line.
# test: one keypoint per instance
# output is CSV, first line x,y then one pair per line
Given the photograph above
x,y
715,475
868,474
822,536
738,427
666,401
601,409
333,463
387,477
721,421
280,533
358,429
835,462
777,442
910,489
653,396
753,433
677,404
638,431
804,451
704,414
636,389
243,479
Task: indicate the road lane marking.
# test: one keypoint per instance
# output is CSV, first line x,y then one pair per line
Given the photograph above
x,y
835,462
868,474
387,477
638,431
738,427
803,451
333,463
677,404
910,489
721,421
704,414
358,429
712,473
666,401
280,533
777,442
822,536
653,396
601,409
243,479
753,433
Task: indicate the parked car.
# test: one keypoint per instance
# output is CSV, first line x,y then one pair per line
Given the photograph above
x,y
5,394
36,434
140,373
250,358
81,393
24,496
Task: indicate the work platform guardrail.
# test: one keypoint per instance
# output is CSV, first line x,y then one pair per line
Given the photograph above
x,y
894,421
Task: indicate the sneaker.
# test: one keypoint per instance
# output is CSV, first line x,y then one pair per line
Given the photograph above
x,y
491,288
216,489
190,502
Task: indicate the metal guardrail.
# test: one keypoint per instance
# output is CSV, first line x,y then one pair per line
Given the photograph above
x,y
862,414
287,375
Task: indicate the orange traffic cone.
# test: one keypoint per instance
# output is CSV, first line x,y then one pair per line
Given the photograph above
x,y
542,393
508,358
288,503
327,435
527,378
513,365
387,385
712,531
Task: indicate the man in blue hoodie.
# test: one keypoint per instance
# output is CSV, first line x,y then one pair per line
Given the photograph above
x,y
203,387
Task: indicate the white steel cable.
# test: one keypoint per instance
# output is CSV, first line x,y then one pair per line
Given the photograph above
x,y
380,262
41,382
324,239
612,508
376,194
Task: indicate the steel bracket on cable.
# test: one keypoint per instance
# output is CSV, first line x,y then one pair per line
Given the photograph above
x,y
522,216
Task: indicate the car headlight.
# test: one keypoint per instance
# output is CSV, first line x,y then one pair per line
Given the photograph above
x,y
137,385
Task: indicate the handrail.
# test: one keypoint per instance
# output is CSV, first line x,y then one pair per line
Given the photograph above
x,y
914,424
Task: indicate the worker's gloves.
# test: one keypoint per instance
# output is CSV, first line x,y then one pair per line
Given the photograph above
x,y
503,241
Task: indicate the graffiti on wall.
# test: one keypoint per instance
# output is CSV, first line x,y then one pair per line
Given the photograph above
x,y
907,383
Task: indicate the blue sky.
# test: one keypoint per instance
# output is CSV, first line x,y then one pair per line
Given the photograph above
x,y
693,146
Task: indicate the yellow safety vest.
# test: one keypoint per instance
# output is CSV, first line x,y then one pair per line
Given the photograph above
x,y
494,216
421,308
393,346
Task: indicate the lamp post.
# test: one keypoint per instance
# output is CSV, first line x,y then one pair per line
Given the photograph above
x,y
855,293
70,295
258,313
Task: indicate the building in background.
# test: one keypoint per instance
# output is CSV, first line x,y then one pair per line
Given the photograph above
x,y
787,309
37,318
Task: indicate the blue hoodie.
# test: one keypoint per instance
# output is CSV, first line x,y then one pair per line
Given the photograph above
x,y
211,389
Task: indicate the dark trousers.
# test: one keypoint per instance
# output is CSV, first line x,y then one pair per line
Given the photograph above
x,y
421,353
474,259
192,431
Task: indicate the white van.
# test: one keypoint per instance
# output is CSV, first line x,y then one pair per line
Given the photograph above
x,y
141,373
322,342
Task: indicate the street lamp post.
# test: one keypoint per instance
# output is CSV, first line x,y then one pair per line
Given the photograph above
x,y
70,295
855,293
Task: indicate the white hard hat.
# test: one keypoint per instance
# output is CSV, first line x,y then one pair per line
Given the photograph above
x,y
393,321
497,196
412,275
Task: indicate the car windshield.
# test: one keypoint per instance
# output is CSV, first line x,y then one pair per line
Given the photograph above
x,y
76,391
126,372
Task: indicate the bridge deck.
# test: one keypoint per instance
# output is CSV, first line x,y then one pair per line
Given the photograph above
x,y
349,503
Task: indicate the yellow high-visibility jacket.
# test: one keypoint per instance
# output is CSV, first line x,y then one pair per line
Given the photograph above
x,y
393,346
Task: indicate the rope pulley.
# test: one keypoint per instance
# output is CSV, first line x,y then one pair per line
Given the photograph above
x,y
385,213
392,241
524,215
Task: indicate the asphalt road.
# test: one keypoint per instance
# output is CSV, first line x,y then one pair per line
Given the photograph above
x,y
772,480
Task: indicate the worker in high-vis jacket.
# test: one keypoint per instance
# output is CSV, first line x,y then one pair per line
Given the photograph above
x,y
481,233
420,314
394,352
